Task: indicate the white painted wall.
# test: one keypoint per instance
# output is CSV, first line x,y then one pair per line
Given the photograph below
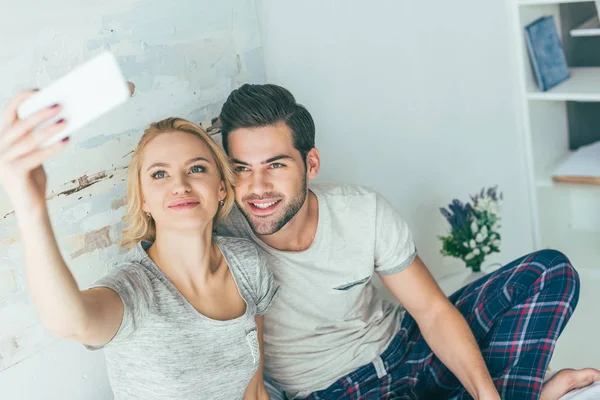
x,y
415,99
184,58
412,98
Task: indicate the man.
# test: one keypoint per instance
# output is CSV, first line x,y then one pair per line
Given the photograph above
x,y
329,334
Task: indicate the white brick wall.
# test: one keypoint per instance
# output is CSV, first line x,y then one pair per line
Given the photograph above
x,y
184,58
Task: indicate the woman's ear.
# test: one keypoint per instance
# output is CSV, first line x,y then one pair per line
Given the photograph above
x,y
222,191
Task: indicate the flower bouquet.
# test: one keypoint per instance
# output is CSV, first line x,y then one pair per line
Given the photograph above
x,y
473,228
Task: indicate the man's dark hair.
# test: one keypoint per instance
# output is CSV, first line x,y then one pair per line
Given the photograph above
x,y
253,106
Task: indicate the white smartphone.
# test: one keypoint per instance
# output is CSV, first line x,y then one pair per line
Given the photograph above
x,y
84,94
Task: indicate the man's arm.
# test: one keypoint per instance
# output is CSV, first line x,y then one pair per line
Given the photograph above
x,y
443,327
256,388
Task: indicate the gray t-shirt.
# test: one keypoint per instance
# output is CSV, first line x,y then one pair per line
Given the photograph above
x,y
166,349
328,318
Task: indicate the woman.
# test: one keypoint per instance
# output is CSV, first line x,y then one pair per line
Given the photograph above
x,y
180,315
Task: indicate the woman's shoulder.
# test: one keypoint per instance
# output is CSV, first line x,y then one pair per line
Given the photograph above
x,y
131,263
236,244
248,263
135,255
240,253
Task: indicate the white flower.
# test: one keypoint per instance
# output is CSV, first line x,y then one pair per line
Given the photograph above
x,y
486,204
469,256
472,244
466,244
476,252
496,242
495,227
484,231
474,227
479,238
486,249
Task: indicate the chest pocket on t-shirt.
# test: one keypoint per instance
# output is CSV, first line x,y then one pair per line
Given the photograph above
x,y
346,300
252,339
348,286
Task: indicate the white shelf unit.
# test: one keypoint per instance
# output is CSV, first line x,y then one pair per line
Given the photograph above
x,y
589,28
566,216
546,2
583,85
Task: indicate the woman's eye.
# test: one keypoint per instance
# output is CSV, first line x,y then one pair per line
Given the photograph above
x,y
159,174
197,168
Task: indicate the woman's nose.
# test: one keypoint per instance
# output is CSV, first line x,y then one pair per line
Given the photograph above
x,y
181,185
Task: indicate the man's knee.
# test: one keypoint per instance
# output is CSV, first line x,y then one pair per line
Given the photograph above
x,y
560,275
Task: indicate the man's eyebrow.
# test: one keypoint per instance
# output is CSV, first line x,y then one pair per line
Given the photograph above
x,y
270,160
277,158
236,161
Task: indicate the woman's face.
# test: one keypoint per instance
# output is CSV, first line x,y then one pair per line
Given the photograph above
x,y
181,185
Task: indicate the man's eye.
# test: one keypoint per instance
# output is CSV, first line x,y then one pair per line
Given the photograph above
x,y
277,165
241,169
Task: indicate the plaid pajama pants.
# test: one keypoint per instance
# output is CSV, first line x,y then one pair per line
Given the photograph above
x,y
516,314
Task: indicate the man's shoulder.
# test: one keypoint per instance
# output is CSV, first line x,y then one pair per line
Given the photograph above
x,y
341,190
349,207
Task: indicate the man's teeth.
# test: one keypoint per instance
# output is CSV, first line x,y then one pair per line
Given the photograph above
x,y
264,205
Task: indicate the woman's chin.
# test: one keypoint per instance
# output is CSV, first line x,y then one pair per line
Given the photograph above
x,y
189,223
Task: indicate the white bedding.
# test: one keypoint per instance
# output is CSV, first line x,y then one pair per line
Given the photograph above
x,y
591,392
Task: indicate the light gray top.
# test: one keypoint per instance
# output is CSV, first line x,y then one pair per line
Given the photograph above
x,y
328,318
166,349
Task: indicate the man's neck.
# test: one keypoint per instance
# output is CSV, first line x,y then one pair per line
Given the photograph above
x,y
298,234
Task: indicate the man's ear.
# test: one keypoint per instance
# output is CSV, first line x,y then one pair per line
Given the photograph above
x,y
313,163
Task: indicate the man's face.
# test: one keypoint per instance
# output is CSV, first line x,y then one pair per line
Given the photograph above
x,y
271,184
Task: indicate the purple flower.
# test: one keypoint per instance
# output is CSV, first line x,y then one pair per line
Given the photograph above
x,y
491,192
458,215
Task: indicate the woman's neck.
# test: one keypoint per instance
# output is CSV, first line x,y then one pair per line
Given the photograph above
x,y
188,258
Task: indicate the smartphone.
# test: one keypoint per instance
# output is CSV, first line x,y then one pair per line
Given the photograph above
x,y
84,94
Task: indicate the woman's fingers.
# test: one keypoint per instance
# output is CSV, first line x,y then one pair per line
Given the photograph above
x,y
9,114
38,157
22,128
33,142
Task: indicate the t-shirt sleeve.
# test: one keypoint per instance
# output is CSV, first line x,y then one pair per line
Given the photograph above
x,y
267,287
134,288
394,247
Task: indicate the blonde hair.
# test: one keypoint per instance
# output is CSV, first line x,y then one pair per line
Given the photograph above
x,y
139,226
